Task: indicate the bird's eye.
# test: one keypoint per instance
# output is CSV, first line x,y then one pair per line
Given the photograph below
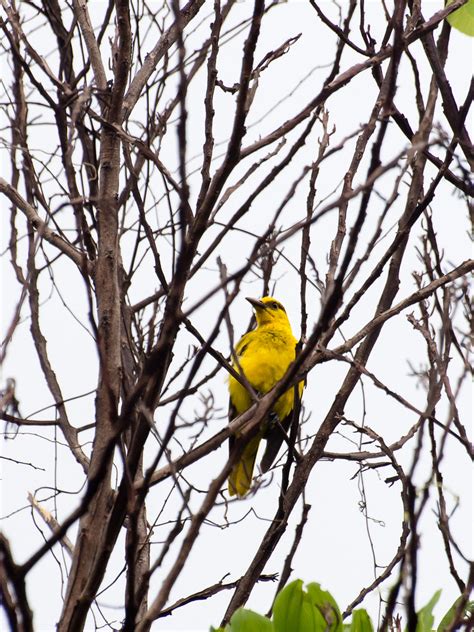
x,y
275,305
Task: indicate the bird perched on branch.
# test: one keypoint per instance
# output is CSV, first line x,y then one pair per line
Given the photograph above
x,y
263,356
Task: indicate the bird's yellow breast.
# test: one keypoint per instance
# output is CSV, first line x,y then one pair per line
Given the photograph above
x,y
264,356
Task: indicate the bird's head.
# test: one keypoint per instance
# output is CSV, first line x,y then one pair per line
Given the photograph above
x,y
268,310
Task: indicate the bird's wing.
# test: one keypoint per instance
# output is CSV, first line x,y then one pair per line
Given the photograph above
x,y
232,415
274,435
243,343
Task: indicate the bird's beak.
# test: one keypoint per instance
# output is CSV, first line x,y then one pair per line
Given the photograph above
x,y
257,304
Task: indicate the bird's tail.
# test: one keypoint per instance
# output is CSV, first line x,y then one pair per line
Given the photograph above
x,y
240,477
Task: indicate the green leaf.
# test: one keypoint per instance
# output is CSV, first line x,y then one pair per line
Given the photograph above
x,y
449,616
425,615
361,622
463,18
293,611
248,621
327,606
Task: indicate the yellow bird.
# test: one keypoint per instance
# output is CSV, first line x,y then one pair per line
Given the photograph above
x,y
264,355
